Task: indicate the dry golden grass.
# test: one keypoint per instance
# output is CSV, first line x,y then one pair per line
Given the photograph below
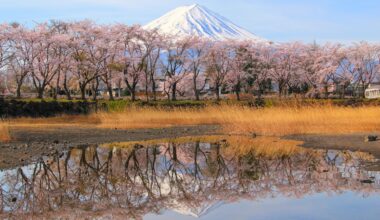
x,y
59,121
275,121
263,145
304,120
4,132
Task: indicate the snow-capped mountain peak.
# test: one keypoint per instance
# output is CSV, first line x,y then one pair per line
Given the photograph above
x,y
197,20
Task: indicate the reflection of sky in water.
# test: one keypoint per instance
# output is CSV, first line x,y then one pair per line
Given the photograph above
x,y
347,205
28,170
347,198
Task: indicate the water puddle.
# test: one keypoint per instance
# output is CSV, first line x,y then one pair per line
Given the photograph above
x,y
205,177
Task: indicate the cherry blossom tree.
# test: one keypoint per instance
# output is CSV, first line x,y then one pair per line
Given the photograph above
x,y
219,61
153,43
175,64
65,76
88,56
361,64
319,65
313,64
133,56
5,55
237,77
258,66
59,30
46,64
24,46
284,60
197,56
5,49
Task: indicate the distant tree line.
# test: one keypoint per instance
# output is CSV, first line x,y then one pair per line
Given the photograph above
x,y
60,57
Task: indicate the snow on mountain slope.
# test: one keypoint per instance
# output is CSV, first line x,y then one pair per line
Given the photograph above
x,y
197,20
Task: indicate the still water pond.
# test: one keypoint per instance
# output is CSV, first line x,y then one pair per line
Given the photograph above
x,y
206,178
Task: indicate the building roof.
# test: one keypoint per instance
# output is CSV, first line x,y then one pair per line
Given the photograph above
x,y
373,86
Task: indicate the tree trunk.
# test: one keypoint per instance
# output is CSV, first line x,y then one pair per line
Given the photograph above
x,y
196,92
154,90
94,95
237,95
326,91
197,98
363,90
260,90
343,92
55,94
174,92
175,158
259,94
168,95
83,91
237,91
146,94
133,95
217,92
18,91
110,91
95,89
132,90
40,93
119,90
67,90
146,88
68,95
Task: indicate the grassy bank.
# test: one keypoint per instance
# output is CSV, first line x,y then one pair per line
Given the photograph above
x,y
121,105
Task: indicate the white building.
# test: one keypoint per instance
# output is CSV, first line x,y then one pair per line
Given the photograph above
x,y
373,92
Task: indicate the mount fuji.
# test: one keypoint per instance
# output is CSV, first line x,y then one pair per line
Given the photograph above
x,y
197,20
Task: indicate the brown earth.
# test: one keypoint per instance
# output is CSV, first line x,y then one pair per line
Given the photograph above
x,y
352,142
30,144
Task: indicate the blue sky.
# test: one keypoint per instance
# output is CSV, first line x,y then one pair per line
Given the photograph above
x,y
277,20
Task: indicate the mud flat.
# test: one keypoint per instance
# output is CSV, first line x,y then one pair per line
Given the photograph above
x,y
29,144
352,142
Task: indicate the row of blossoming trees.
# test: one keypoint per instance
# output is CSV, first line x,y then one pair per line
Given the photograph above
x,y
60,57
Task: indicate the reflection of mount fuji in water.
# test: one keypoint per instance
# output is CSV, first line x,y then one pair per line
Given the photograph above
x,y
190,178
198,210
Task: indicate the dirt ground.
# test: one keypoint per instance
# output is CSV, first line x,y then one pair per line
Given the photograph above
x,y
30,144
352,142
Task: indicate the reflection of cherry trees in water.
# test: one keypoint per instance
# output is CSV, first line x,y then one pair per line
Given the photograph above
x,y
189,178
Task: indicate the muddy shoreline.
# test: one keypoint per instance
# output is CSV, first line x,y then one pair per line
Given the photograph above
x,y
30,144
352,142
